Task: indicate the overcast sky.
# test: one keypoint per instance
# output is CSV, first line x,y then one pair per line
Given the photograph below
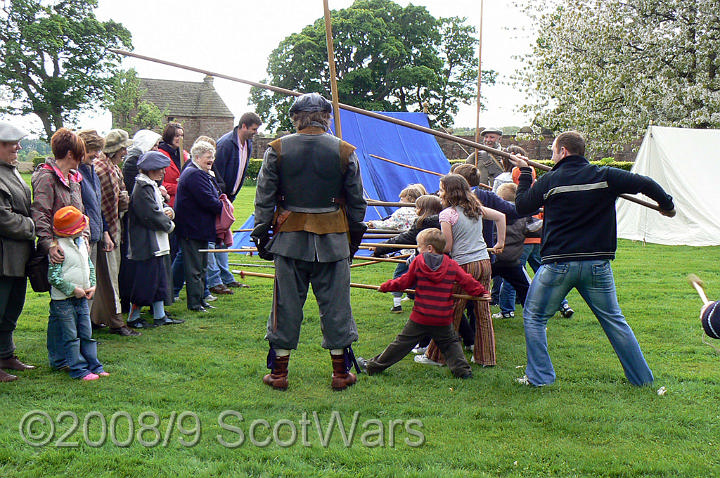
x,y
235,37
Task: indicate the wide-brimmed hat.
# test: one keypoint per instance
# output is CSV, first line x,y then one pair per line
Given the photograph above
x,y
10,133
116,140
68,221
497,131
153,160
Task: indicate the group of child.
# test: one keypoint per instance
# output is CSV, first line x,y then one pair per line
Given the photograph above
x,y
452,222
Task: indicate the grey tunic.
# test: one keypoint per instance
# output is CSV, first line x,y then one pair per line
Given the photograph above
x,y
303,258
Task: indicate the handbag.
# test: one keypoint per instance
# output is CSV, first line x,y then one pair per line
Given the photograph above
x,y
36,270
224,221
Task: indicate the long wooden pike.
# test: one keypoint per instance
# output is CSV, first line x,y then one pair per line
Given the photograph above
x,y
354,109
624,196
285,91
245,249
699,286
479,83
331,64
371,245
360,264
382,259
406,165
485,186
375,202
243,274
378,236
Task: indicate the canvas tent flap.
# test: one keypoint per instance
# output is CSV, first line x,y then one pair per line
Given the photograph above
x,y
686,163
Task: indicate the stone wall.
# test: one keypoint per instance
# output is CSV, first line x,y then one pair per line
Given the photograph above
x,y
207,126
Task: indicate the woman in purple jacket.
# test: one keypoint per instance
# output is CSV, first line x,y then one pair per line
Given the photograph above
x,y
197,204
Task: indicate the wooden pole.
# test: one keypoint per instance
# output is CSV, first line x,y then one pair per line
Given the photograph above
x,y
479,84
364,286
485,186
182,154
406,165
375,202
360,264
624,196
371,245
371,114
331,63
382,259
378,236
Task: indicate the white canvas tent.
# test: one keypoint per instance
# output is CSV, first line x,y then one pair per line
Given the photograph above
x,y
686,163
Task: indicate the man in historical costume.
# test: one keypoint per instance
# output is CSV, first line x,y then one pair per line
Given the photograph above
x,y
489,165
309,194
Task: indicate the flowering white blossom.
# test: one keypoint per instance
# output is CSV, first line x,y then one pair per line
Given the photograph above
x,y
609,68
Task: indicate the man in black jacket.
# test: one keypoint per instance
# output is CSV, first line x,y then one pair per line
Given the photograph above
x,y
579,240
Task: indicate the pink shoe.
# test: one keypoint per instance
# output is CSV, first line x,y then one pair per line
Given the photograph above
x,y
104,374
91,376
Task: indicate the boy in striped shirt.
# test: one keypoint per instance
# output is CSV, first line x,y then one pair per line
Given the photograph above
x,y
433,276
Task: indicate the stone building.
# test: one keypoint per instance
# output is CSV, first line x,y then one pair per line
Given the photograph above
x,y
197,106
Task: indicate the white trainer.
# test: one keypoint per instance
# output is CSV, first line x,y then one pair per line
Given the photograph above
x,y
426,361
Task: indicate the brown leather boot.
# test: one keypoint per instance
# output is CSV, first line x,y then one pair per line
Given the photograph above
x,y
342,378
6,377
277,379
12,363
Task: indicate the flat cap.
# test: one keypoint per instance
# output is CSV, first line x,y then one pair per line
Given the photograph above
x,y
10,133
153,160
497,131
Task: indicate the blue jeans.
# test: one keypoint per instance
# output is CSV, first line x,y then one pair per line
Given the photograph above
x,y
530,255
400,269
70,333
218,268
594,281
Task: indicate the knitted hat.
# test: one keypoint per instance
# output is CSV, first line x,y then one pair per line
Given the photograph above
x,y
116,140
710,318
68,221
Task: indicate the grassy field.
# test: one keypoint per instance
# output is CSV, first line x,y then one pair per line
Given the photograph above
x,y
188,400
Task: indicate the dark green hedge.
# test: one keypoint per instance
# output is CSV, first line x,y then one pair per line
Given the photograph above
x,y
626,165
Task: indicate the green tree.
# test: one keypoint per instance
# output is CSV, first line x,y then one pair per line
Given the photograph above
x,y
610,67
55,59
124,100
388,58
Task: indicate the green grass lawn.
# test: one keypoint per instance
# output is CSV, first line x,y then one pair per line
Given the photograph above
x,y
413,420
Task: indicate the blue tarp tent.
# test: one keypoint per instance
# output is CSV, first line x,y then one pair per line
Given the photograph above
x,y
383,180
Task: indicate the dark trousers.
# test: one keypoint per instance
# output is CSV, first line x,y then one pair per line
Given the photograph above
x,y
515,275
195,269
12,300
444,336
